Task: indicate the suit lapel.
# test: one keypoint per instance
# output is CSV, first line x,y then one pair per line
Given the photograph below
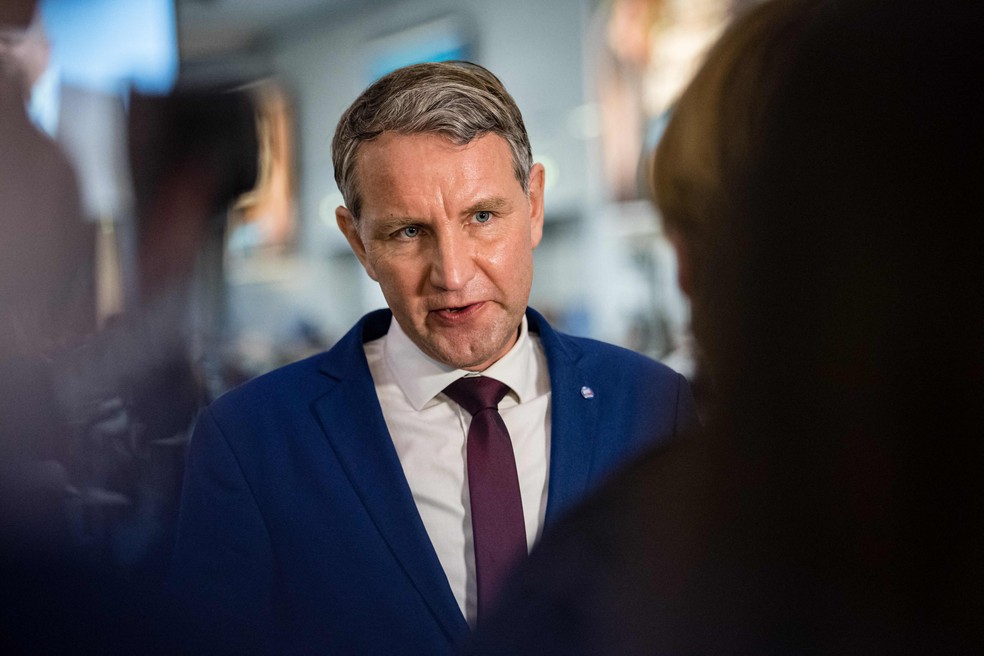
x,y
573,418
353,423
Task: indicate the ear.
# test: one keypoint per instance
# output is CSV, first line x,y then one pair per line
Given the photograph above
x,y
684,265
536,203
348,226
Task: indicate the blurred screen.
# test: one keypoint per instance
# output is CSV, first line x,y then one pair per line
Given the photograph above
x,y
112,45
438,40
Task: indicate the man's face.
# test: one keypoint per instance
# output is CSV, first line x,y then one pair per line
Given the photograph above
x,y
449,235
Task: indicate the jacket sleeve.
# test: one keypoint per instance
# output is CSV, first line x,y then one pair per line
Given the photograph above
x,y
221,576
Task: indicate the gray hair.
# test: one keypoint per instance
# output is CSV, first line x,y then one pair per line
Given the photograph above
x,y
457,100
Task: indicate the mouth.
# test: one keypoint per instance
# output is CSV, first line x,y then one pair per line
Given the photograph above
x,y
455,315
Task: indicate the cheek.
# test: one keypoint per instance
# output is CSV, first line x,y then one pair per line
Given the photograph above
x,y
498,255
509,249
399,278
385,265
512,264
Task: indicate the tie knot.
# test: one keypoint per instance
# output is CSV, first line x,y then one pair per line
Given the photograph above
x,y
476,393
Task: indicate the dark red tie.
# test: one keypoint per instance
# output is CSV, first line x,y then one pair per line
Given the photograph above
x,y
496,506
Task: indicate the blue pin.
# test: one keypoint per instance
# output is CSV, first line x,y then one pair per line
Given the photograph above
x,y
587,392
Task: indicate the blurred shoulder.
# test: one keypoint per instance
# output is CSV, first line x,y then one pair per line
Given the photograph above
x,y
596,355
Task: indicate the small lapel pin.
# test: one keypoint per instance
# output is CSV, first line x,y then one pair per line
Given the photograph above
x,y
587,392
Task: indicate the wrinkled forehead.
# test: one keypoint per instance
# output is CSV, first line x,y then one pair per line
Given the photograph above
x,y
397,167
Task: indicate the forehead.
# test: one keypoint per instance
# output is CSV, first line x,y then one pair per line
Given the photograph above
x,y
397,169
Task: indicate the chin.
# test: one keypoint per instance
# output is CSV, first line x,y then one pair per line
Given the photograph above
x,y
471,350
459,361
454,357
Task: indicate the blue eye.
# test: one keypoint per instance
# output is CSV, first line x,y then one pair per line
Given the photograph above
x,y
483,217
410,231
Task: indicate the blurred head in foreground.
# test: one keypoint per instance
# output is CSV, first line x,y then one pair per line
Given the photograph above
x,y
820,180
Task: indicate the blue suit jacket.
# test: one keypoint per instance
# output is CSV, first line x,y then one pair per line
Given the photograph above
x,y
298,532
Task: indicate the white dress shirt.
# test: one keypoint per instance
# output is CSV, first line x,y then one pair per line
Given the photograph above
x,y
429,431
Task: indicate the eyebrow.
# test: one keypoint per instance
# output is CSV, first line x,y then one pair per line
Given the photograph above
x,y
491,204
391,223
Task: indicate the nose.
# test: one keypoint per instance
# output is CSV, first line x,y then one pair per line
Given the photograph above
x,y
453,263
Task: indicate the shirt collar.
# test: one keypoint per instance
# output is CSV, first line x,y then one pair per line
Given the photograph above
x,y
422,378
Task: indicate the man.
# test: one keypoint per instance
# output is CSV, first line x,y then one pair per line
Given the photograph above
x,y
335,505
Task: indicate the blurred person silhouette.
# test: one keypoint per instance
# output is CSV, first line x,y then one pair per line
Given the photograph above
x,y
60,252
44,305
87,523
139,384
52,598
821,178
89,126
329,506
